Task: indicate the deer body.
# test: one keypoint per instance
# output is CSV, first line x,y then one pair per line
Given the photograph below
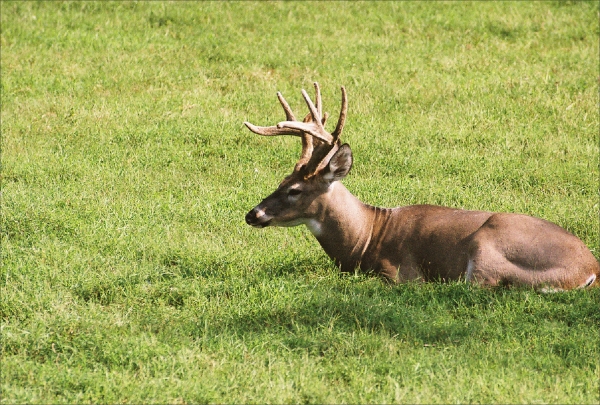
x,y
417,242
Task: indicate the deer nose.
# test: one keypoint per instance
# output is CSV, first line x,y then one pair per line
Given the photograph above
x,y
251,216
254,217
257,218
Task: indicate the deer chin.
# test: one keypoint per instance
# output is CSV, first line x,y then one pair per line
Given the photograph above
x,y
288,224
261,225
258,224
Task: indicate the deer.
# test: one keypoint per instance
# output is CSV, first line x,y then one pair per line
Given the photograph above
x,y
420,243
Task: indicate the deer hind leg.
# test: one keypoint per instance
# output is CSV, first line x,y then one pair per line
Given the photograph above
x,y
492,269
522,250
491,266
488,267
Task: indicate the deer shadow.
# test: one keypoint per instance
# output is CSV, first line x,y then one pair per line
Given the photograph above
x,y
420,312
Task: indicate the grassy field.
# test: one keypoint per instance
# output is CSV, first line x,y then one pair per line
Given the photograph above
x,y
129,275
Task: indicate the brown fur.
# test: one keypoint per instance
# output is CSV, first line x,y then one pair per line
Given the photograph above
x,y
428,243
417,242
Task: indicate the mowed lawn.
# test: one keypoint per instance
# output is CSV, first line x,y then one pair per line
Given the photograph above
x,y
128,273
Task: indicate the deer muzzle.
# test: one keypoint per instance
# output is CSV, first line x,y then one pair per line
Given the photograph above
x,y
257,218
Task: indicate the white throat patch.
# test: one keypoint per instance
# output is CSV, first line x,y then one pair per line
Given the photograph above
x,y
315,227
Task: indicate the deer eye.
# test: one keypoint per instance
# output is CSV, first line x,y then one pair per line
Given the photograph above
x,y
294,191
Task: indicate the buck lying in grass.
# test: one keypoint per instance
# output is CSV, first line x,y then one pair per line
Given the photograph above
x,y
417,242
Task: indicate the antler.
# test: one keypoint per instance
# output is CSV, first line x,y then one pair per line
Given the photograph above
x,y
313,126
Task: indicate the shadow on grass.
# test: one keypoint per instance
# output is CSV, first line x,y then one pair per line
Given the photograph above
x,y
303,301
424,313
178,264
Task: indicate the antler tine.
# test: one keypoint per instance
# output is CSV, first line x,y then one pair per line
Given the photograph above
x,y
316,116
318,101
286,107
319,105
342,119
324,119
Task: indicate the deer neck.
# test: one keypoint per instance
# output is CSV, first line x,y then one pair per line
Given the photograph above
x,y
343,225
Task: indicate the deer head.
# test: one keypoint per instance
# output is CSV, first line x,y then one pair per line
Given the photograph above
x,y
322,162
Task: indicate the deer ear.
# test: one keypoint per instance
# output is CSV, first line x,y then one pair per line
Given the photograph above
x,y
340,164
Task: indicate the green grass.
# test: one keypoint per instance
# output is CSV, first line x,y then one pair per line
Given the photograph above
x,y
129,275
